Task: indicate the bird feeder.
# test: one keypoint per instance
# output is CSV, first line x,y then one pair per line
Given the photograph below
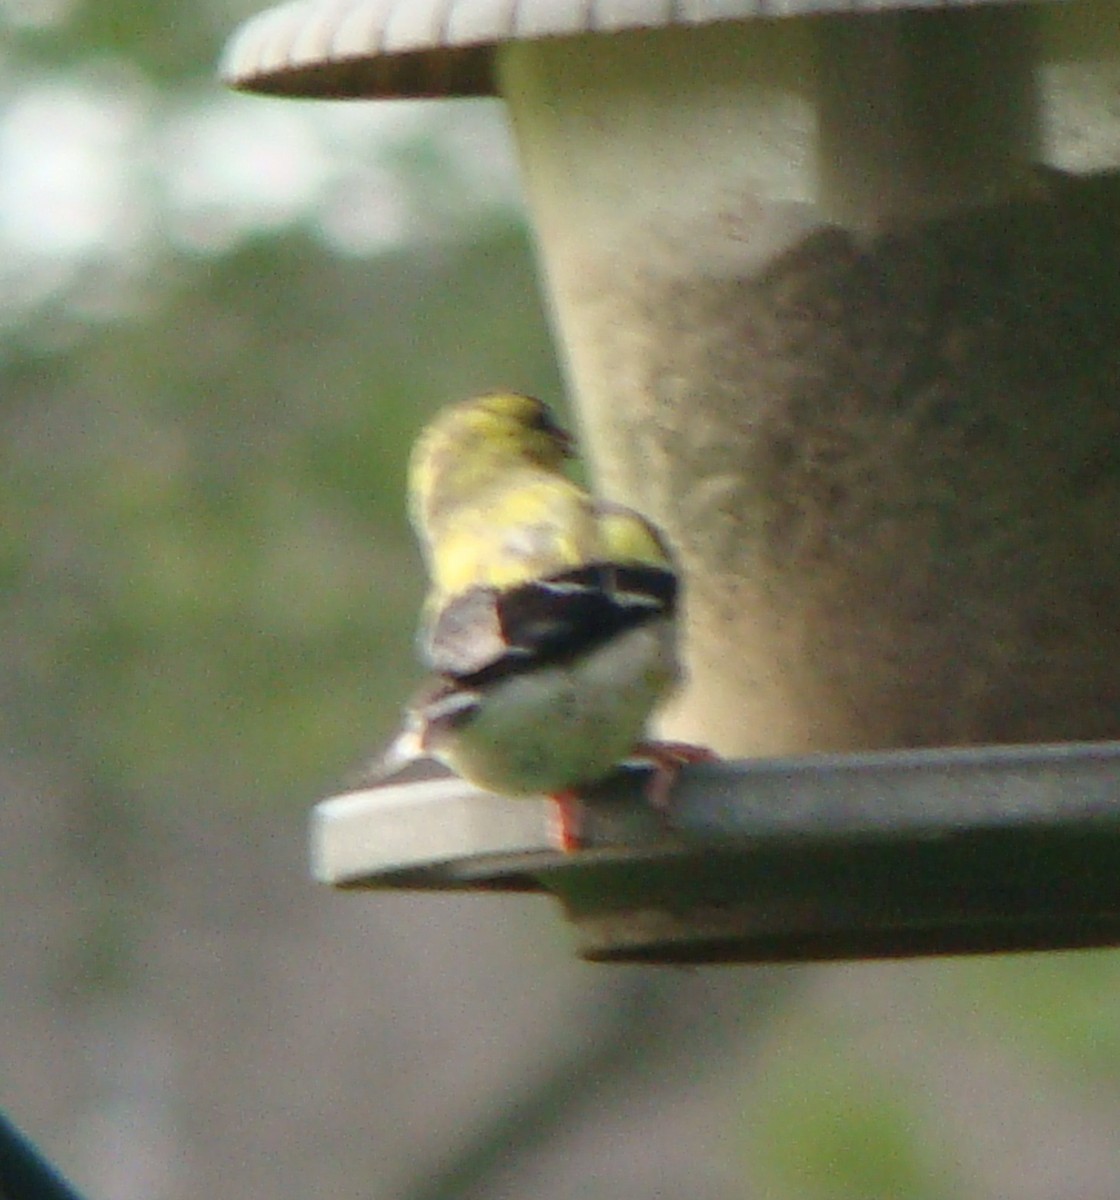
x,y
837,289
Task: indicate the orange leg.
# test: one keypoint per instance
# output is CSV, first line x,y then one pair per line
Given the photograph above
x,y
668,758
566,823
565,828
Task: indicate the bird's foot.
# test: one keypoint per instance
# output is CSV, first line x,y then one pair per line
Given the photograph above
x,y
566,822
565,826
668,758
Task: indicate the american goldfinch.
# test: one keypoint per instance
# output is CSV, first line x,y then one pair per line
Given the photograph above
x,y
550,626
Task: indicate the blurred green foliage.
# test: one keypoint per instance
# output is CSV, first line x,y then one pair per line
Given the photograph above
x,y
1061,1005
833,1126
212,583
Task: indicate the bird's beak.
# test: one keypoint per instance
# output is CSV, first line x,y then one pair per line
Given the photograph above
x,y
563,438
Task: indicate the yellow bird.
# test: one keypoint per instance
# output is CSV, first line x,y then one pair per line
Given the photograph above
x,y
550,625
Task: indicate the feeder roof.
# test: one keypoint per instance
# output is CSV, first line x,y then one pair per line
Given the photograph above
x,y
415,48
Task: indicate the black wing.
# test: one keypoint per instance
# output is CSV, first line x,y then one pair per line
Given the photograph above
x,y
486,633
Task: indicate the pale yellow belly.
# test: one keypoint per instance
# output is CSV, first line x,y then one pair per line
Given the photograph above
x,y
568,725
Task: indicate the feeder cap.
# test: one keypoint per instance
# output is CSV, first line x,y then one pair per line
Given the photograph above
x,y
336,49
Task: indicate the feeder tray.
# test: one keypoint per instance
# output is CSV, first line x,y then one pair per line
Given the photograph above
x,y
878,855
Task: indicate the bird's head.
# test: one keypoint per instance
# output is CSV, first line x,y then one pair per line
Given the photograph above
x,y
498,425
468,444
